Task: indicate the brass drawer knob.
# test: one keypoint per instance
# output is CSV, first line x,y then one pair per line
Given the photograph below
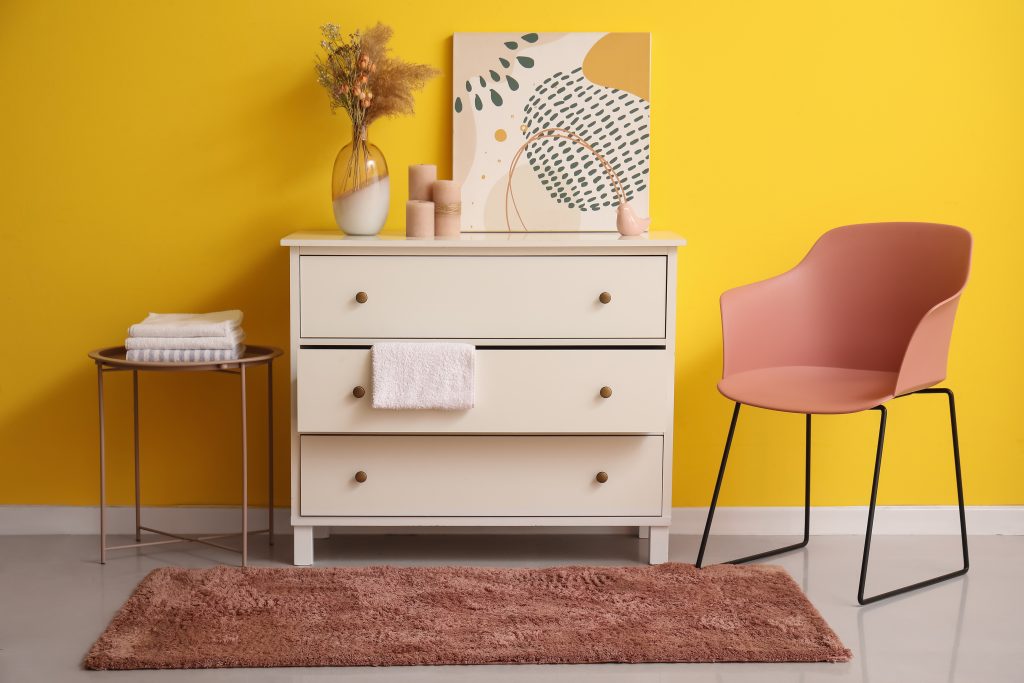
x,y
361,297
359,392
360,476
606,392
601,477
605,298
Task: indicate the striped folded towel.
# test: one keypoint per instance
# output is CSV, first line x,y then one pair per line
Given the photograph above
x,y
176,325
185,355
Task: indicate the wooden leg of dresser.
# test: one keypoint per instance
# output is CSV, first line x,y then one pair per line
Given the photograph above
x,y
658,545
303,548
643,532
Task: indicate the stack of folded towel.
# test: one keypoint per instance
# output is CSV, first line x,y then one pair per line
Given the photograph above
x,y
186,338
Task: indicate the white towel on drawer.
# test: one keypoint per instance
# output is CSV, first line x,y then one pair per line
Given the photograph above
x,y
219,324
409,376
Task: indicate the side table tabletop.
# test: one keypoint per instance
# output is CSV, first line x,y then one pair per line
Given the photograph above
x,y
114,359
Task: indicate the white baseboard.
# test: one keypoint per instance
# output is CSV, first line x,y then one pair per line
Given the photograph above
x,y
24,520
889,520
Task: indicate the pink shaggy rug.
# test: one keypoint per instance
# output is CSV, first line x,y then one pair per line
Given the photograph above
x,y
381,616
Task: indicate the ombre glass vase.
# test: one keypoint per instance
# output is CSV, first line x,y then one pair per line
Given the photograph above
x,y
360,188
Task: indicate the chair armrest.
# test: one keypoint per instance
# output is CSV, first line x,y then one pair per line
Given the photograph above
x,y
924,361
758,321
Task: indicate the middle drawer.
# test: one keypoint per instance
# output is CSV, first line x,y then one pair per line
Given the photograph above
x,y
517,390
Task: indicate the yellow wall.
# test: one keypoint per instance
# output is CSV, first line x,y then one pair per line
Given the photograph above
x,y
153,153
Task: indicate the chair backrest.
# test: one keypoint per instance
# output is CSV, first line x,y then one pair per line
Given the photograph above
x,y
858,296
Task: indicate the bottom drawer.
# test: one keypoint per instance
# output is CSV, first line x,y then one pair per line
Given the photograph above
x,y
480,476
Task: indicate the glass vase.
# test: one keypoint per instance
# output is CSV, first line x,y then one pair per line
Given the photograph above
x,y
360,188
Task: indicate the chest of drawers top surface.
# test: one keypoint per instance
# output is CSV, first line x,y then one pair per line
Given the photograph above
x,y
487,240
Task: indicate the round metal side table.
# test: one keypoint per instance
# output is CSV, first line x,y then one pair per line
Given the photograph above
x,y
113,359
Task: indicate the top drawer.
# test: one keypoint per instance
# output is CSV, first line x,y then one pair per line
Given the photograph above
x,y
483,297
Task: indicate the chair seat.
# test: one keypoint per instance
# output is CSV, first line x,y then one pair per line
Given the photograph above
x,y
810,389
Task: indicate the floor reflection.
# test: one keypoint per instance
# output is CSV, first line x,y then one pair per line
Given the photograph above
x,y
865,613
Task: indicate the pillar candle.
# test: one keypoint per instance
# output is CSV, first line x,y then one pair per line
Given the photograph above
x,y
447,208
419,218
421,177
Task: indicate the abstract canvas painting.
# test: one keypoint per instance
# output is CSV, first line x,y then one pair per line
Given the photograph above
x,y
584,101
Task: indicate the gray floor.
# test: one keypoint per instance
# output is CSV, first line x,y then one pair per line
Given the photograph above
x,y
55,600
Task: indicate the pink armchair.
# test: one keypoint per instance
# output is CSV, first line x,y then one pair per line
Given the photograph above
x,y
866,317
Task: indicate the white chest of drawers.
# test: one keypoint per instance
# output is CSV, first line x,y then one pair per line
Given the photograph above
x,y
575,337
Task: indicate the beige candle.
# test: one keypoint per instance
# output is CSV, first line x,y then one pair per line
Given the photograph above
x,y
419,218
421,177
447,208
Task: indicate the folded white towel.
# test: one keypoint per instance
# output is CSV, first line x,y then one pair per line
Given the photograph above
x,y
233,339
409,376
185,355
218,324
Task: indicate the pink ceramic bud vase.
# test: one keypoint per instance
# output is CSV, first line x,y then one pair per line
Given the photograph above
x,y
628,222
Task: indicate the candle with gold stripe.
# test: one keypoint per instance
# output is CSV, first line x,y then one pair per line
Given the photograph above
x,y
447,208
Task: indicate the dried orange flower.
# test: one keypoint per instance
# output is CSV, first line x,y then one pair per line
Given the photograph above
x,y
355,64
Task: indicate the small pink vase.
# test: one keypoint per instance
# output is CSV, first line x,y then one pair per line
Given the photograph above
x,y
628,222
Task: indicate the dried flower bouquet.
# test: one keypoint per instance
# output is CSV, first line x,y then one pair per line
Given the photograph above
x,y
363,80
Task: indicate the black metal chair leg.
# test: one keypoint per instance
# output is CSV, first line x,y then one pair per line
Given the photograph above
x,y
874,497
718,488
718,485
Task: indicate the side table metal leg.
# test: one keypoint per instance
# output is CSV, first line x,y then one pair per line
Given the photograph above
x,y
138,488
270,450
245,474
103,469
